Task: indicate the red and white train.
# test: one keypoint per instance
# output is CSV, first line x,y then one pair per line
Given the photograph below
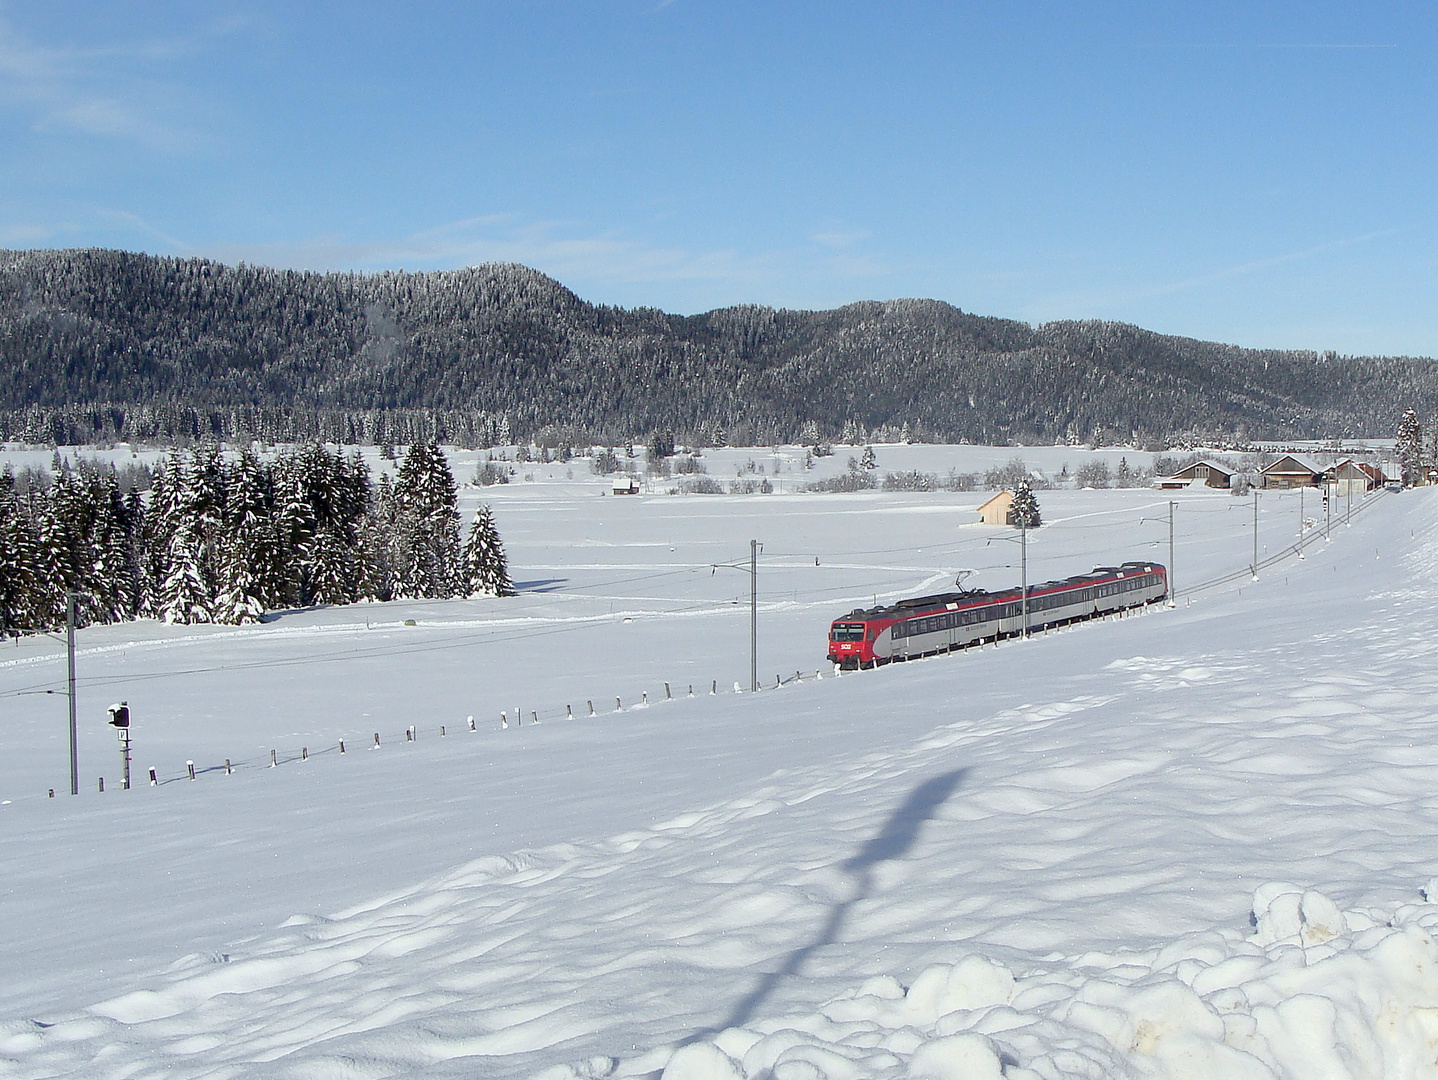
x,y
926,625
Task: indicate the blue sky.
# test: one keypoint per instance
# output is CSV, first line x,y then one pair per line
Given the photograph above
x,y
1257,173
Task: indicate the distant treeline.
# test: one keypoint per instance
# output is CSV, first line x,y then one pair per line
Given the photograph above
x,y
170,424
225,540
162,349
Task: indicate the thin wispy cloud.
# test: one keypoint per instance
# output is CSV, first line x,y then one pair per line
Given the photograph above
x,y
1087,302
840,239
16,236
1279,45
604,260
556,248
121,90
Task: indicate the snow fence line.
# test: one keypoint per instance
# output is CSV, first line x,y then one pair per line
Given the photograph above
x,y
1307,991
552,713
378,739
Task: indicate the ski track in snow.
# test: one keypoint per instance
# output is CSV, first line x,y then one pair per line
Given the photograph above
x,y
1090,881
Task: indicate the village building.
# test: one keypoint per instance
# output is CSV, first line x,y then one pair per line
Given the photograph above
x,y
998,510
1290,471
1199,474
1349,477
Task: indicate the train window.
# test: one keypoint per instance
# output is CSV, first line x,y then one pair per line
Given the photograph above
x,y
847,632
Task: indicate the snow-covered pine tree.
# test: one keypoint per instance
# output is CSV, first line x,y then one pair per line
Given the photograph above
x,y
240,598
167,514
426,525
51,564
294,531
18,564
259,564
329,569
65,537
1409,447
207,492
375,546
111,545
1025,509
185,594
868,460
486,569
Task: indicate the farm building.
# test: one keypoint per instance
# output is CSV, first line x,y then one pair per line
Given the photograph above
x,y
1200,473
1376,478
1348,477
997,510
1291,471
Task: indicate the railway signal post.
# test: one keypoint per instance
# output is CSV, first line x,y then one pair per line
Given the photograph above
x,y
120,721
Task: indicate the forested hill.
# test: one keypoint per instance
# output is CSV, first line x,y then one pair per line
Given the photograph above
x,y
94,327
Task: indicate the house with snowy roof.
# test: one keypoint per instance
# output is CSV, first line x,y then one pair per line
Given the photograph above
x,y
1348,477
1290,471
1376,477
1200,474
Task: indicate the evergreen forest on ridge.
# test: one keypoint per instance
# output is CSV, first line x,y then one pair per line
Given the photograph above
x,y
100,344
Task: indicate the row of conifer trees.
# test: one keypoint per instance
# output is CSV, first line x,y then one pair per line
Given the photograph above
x,y
225,540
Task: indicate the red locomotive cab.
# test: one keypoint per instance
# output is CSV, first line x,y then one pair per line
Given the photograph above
x,y
851,643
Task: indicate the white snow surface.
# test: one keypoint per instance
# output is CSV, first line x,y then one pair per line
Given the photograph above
x,y
1196,842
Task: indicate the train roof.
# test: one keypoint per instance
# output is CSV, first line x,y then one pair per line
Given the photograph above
x,y
902,609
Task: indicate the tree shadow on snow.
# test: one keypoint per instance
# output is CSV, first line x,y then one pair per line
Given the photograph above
x,y
540,585
893,841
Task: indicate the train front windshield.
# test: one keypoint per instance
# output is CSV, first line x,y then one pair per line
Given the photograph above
x,y
847,632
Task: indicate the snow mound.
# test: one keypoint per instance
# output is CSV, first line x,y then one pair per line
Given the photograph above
x,y
1312,992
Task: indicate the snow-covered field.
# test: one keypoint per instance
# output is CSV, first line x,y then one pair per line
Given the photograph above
x,y
1191,843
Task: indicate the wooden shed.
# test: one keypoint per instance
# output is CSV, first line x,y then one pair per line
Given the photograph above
x,y
1200,473
996,511
1291,471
